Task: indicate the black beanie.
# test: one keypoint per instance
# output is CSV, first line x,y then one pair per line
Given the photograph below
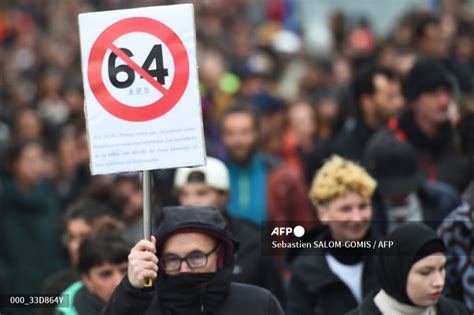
x,y
411,243
425,76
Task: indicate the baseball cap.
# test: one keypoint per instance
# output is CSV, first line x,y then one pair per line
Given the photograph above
x,y
215,173
393,163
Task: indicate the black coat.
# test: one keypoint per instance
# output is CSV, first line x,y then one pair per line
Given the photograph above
x,y
243,299
250,266
439,158
56,284
82,302
351,141
316,290
445,306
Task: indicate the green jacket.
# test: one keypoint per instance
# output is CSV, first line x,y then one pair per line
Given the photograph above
x,y
29,235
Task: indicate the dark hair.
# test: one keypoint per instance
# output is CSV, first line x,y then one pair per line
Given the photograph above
x,y
363,82
103,246
87,209
422,24
67,133
101,192
15,149
240,109
465,28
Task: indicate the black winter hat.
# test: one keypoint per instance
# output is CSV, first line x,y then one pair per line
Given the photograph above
x,y
425,76
393,163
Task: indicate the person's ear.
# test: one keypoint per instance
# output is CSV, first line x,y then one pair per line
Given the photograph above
x,y
322,211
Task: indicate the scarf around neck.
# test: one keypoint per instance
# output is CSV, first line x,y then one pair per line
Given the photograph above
x,y
388,306
194,293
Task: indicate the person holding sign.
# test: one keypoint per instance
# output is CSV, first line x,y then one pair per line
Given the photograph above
x,y
190,258
210,185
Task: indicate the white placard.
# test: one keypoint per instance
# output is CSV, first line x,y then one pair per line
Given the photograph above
x,y
141,90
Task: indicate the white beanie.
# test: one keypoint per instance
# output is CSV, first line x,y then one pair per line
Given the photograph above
x,y
215,173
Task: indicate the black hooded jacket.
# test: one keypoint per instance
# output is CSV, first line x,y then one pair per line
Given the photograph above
x,y
238,298
315,289
82,301
351,141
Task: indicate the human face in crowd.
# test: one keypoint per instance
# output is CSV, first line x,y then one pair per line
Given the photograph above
x,y
102,280
271,128
348,216
68,156
185,244
433,44
301,118
387,98
200,194
239,136
132,192
28,125
433,107
426,280
29,168
77,231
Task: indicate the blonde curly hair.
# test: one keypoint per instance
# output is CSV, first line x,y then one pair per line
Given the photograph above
x,y
338,177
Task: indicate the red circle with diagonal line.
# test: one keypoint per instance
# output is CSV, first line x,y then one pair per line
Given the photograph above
x,y
170,96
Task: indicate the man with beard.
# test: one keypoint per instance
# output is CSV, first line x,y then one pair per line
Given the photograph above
x,y
378,96
425,124
261,187
190,259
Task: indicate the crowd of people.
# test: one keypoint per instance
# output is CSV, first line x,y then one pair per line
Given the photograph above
x,y
369,139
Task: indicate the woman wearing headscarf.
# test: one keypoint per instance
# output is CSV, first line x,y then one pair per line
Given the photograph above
x,y
411,274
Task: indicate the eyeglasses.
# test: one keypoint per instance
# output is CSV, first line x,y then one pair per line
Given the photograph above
x,y
194,260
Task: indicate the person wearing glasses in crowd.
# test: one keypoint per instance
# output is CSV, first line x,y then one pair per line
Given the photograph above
x,y
190,259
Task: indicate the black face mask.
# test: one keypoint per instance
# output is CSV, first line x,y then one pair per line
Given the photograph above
x,y
194,293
